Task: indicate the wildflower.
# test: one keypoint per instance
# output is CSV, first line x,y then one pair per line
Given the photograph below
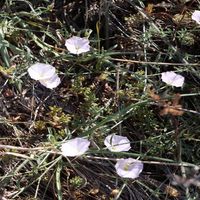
x,y
77,45
196,16
45,74
52,82
173,79
129,168
117,143
75,147
41,71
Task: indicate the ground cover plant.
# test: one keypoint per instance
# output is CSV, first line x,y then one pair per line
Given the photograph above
x,y
99,99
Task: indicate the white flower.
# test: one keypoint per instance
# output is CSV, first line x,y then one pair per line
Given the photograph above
x,y
41,71
77,45
196,16
117,143
52,82
45,74
129,168
171,78
75,147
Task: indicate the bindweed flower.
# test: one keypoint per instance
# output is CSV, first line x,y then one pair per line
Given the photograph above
x,y
196,16
75,147
77,45
173,79
117,143
41,71
129,168
52,82
45,74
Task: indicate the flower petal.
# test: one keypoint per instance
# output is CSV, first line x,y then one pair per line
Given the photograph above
x,y
77,45
75,147
117,143
41,71
196,16
129,168
173,79
52,82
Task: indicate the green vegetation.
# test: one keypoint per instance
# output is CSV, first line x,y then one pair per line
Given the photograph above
x,y
116,87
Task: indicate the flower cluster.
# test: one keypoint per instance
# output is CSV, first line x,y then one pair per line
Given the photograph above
x,y
126,168
45,74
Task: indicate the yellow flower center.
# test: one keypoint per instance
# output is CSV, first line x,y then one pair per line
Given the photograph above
x,y
126,167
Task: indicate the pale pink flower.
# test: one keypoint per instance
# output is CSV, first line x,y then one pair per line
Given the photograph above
x,y
45,74
196,16
173,79
41,71
129,168
52,82
77,45
117,143
75,147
